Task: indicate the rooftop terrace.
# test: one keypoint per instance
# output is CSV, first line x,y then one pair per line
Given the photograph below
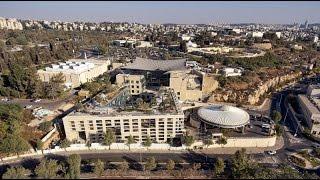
x,y
119,102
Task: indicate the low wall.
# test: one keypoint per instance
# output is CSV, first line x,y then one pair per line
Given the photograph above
x,y
231,142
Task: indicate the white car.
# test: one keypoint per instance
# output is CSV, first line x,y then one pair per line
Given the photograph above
x,y
37,100
28,106
271,152
4,99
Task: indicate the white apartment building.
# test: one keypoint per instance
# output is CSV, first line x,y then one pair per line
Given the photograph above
x,y
255,34
90,125
75,71
10,24
231,72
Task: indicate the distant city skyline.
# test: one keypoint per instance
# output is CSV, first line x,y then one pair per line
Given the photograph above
x,y
179,12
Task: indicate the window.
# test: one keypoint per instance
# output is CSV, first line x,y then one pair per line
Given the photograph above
x,y
99,121
137,82
138,87
132,91
132,82
132,86
178,93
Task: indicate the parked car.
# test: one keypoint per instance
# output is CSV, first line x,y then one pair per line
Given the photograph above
x,y
28,106
37,100
5,99
315,145
271,152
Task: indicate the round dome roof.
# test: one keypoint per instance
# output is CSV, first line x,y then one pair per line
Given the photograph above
x,y
224,116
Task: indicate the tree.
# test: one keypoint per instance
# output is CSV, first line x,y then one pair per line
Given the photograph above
x,y
74,162
13,144
170,165
188,140
64,144
130,141
148,142
279,129
222,140
123,167
183,46
276,116
39,145
98,168
45,126
208,142
240,164
16,173
109,137
219,166
150,164
47,169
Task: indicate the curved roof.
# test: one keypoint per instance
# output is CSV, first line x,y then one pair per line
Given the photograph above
x,y
224,116
152,65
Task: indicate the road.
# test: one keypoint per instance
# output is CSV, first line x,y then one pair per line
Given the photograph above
x,y
45,103
291,143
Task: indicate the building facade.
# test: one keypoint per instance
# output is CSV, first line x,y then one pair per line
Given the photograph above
x,y
136,83
91,128
311,114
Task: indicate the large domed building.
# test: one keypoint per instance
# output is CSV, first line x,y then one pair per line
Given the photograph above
x,y
223,116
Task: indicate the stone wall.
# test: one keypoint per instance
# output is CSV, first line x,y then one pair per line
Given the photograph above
x,y
252,97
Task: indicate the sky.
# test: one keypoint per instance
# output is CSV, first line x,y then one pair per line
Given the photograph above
x,y
157,12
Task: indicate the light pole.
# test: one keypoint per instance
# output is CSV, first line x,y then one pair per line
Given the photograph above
x,y
295,134
285,117
280,99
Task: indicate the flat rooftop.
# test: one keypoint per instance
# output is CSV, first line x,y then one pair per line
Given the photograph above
x,y
75,66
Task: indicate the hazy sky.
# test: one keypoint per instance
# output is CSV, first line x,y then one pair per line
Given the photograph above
x,y
165,12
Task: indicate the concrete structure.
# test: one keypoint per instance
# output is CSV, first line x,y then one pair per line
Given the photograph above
x,y
192,85
264,46
211,50
89,124
125,43
192,64
144,44
75,71
136,83
313,90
